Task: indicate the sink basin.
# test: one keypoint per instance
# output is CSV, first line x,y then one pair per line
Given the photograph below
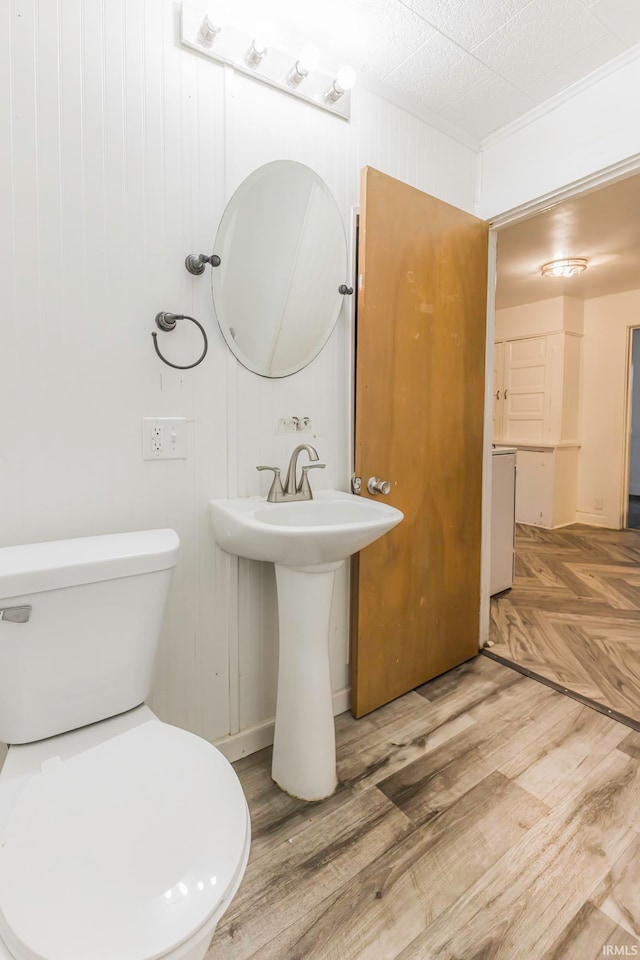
x,y
307,540
325,530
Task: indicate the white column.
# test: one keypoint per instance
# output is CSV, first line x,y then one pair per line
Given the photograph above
x,y
304,747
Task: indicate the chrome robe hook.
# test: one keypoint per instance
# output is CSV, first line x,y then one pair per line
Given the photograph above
x,y
195,262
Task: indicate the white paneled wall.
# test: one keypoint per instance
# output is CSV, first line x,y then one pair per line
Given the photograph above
x,y
118,153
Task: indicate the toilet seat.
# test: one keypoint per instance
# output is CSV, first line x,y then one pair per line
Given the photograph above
x,y
124,850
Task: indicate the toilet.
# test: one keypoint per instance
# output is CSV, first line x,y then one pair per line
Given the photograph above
x,y
121,837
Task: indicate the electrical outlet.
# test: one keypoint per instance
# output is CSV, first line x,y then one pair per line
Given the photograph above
x,y
157,438
598,503
164,438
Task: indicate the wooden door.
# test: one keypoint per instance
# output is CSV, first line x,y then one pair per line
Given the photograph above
x,y
420,382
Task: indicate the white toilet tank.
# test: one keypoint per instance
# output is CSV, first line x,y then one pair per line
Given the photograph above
x,y
87,649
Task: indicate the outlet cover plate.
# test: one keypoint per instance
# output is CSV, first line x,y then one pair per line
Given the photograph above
x,y
164,438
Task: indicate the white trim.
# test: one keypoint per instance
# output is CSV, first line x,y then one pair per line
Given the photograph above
x,y
252,739
547,106
479,181
614,172
351,347
542,333
626,451
595,520
542,526
487,463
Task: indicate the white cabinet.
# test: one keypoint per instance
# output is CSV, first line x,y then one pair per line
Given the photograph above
x,y
547,488
536,389
536,409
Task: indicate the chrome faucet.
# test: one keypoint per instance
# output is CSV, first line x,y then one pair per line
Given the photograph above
x,y
293,490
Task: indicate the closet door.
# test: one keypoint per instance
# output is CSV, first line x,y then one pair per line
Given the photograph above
x,y
526,397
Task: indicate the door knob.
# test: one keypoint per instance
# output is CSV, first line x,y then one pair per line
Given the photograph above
x,y
375,485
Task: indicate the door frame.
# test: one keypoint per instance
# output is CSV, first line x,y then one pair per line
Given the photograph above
x,y
600,178
626,456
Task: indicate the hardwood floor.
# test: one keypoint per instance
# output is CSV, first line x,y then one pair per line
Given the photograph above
x,y
573,614
482,817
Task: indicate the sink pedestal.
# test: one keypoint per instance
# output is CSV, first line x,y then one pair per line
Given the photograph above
x,y
307,540
304,746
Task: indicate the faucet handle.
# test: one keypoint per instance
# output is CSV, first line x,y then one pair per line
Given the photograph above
x,y
304,486
276,492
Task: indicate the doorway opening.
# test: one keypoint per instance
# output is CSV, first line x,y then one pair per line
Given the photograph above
x,y
633,511
564,350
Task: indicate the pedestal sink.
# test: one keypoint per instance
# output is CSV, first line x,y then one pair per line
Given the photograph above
x,y
307,541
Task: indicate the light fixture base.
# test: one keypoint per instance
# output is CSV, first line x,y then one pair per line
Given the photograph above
x,y
231,46
567,267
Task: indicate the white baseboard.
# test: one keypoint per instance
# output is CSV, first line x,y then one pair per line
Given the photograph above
x,y
237,745
596,520
541,526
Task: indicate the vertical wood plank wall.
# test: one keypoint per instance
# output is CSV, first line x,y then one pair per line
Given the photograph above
x,y
118,153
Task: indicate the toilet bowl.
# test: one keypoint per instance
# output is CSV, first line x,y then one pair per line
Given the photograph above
x,y
121,838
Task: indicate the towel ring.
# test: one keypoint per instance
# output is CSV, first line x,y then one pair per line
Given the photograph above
x,y
167,322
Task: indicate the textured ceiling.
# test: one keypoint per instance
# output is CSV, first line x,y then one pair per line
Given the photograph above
x,y
603,225
479,64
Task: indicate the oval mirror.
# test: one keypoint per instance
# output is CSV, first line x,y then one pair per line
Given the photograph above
x,y
283,256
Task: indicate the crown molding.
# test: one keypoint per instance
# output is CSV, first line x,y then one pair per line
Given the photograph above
x,y
548,106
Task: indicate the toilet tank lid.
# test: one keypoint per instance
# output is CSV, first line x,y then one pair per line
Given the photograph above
x,y
35,567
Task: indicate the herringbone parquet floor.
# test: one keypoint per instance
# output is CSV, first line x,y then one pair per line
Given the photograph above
x,y
573,614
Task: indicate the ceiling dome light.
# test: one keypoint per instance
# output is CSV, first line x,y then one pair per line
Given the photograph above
x,y
564,268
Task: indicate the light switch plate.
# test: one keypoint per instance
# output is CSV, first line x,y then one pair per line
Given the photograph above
x,y
164,438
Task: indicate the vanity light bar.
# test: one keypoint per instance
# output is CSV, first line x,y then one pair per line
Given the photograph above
x,y
253,57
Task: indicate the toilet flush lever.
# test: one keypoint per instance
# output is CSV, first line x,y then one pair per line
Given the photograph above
x,y
15,614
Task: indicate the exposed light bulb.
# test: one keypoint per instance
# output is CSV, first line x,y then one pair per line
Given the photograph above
x,y
346,78
344,81
262,42
307,61
309,58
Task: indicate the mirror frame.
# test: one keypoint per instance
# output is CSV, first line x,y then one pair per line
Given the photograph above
x,y
225,327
